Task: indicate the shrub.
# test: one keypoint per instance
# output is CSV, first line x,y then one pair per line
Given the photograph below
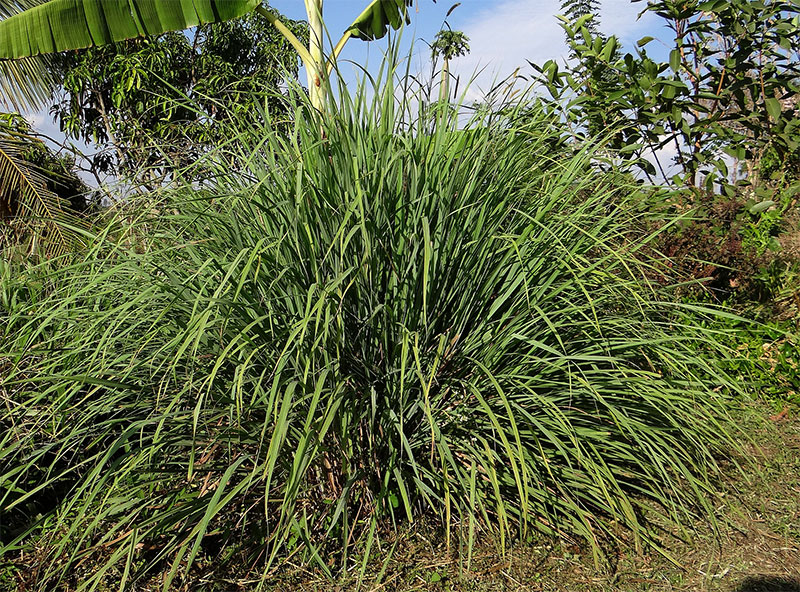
x,y
380,317
737,247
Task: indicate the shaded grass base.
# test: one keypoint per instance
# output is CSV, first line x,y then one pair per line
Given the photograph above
x,y
757,549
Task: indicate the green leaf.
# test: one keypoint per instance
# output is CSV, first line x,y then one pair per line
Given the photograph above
x,y
630,148
773,108
608,49
735,151
762,206
583,21
61,25
376,19
675,60
644,41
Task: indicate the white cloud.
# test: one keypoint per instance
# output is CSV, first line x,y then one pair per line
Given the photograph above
x,y
42,122
664,160
619,17
506,36
35,119
44,125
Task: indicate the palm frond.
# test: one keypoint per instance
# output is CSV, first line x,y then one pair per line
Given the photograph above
x,y
28,203
26,84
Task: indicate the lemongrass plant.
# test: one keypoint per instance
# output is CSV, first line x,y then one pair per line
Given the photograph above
x,y
374,318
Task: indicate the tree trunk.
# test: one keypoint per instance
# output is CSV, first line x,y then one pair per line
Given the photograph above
x,y
316,71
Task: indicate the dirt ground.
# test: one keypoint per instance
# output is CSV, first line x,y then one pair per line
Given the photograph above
x,y
757,548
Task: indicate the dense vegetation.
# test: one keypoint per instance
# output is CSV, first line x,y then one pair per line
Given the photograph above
x,y
383,317
155,105
327,327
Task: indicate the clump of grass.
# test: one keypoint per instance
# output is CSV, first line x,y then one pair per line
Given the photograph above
x,y
375,317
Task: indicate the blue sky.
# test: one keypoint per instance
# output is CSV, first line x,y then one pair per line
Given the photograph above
x,y
503,33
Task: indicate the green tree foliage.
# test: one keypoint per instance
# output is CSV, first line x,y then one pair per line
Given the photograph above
x,y
39,191
727,88
725,94
576,9
158,103
448,44
61,25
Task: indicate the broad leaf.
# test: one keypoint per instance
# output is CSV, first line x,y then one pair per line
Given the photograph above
x,y
773,107
27,84
376,19
60,25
